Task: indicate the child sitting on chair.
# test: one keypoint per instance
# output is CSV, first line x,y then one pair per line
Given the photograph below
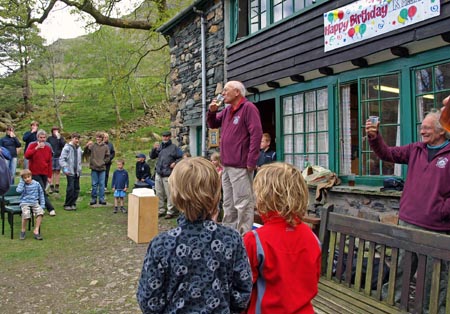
x,y
31,202
284,253
200,266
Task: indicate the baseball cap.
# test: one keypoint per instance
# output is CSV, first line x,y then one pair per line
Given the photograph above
x,y
140,156
166,133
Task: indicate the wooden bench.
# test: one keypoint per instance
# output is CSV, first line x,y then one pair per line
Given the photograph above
x,y
349,284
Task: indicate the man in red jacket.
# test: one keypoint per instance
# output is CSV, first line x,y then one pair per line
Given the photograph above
x,y
39,155
241,134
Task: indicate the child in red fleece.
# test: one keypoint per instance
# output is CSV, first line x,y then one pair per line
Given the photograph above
x,y
284,253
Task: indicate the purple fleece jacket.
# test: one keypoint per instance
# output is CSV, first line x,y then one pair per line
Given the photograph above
x,y
425,200
241,134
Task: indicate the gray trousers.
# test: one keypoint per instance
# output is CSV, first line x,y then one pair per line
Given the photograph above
x,y
163,193
238,198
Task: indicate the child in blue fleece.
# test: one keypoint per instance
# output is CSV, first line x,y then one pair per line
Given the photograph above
x,y
32,199
200,266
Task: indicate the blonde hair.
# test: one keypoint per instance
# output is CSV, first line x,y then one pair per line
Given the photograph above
x,y
267,136
216,157
195,188
280,187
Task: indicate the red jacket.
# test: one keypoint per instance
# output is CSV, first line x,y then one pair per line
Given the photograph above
x,y
287,279
39,160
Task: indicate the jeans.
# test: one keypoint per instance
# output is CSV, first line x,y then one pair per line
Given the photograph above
x,y
150,182
72,191
42,179
98,182
12,165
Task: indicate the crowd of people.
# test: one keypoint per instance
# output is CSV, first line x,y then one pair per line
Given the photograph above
x,y
215,264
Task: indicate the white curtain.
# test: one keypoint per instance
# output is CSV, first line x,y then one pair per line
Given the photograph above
x,y
346,143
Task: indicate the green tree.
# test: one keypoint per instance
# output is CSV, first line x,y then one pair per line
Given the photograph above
x,y
19,46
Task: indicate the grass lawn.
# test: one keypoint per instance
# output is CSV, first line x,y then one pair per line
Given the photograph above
x,y
85,264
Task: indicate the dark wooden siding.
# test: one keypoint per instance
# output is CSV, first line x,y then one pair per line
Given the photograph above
x,y
297,46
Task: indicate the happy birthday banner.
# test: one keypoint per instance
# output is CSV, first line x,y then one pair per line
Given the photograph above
x,y
369,18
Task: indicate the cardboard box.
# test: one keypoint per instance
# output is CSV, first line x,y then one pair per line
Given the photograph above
x,y
142,216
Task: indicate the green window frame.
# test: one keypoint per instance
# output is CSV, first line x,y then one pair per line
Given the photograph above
x,y
305,128
431,86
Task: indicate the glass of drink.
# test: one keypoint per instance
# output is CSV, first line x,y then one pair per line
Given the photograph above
x,y
374,120
445,114
219,100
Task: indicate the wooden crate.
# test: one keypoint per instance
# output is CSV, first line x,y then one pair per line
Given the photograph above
x,y
142,218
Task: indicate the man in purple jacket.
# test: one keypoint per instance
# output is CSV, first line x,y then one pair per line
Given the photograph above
x,y
241,134
425,202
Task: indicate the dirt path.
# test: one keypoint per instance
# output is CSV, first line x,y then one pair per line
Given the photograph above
x,y
99,278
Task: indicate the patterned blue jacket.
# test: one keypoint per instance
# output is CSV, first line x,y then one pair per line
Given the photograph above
x,y
199,267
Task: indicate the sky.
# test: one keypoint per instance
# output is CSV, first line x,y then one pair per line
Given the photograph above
x,y
61,24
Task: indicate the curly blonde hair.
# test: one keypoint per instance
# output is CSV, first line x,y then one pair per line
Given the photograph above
x,y
195,188
280,187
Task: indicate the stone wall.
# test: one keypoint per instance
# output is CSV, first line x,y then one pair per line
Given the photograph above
x,y
186,68
360,201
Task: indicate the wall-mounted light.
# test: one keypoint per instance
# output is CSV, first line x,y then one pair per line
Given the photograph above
x,y
396,91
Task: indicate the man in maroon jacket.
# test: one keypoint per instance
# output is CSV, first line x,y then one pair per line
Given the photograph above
x,y
39,155
241,134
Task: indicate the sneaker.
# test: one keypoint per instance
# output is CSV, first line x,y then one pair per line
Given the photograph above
x,y
37,236
102,202
52,213
93,202
123,210
115,210
22,235
74,207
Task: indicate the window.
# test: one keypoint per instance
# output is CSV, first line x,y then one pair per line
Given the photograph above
x,y
379,96
305,128
250,16
432,85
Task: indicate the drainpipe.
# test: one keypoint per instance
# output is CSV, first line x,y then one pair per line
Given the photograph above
x,y
203,35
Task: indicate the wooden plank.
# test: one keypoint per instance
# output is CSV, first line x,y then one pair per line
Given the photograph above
x,y
349,264
392,276
420,283
359,265
331,251
380,272
340,260
434,293
369,269
406,267
356,299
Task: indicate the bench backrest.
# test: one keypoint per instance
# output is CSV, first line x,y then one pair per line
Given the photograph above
x,y
355,252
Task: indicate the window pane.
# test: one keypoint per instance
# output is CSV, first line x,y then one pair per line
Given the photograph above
x,y
299,4
442,74
310,99
287,9
389,111
277,13
323,161
289,159
310,143
298,123
372,88
298,161
288,144
310,122
298,103
390,134
423,81
287,105
322,121
322,142
264,20
322,99
288,125
299,145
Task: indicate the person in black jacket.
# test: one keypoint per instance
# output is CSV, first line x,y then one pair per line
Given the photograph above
x,y
112,154
11,143
143,173
57,143
168,155
29,137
